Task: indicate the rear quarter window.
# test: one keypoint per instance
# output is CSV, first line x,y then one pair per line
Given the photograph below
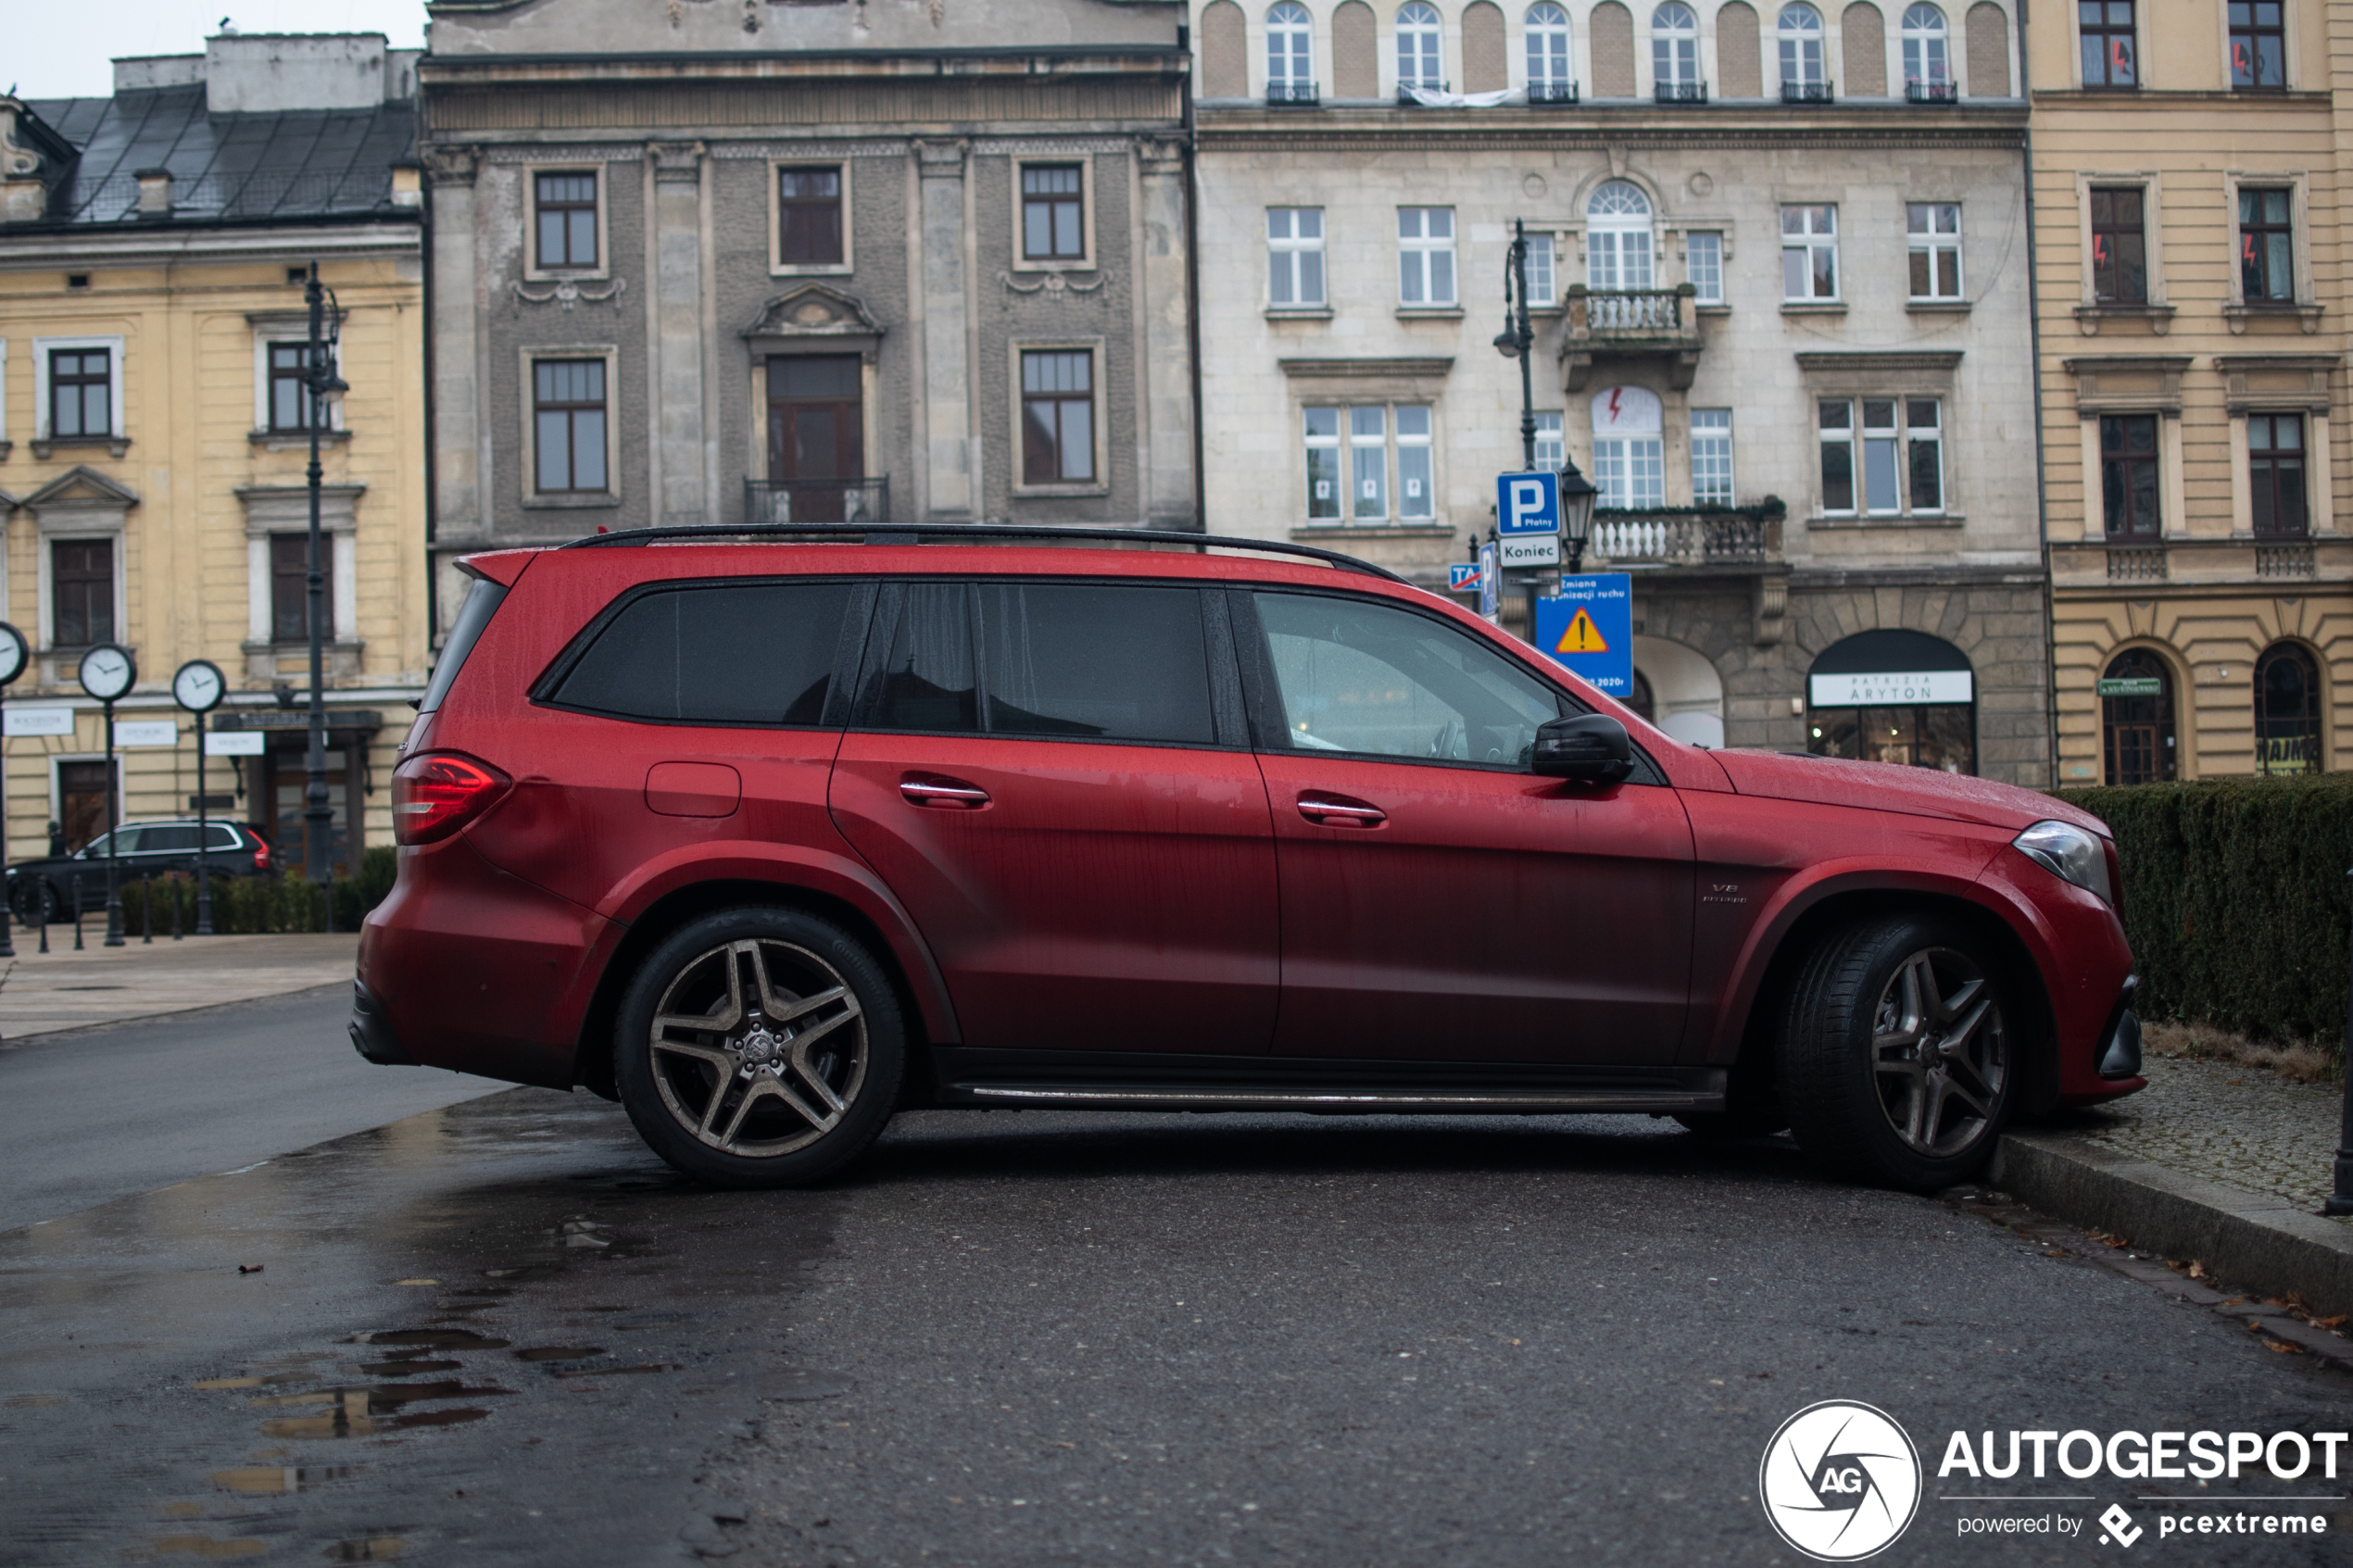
x,y
754,653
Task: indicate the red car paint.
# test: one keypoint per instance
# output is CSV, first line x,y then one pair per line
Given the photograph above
x,y
1044,895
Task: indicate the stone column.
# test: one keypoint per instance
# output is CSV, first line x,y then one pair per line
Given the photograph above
x,y
1167,379
678,372
461,505
947,437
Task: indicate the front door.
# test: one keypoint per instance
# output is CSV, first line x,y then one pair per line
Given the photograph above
x,y
1054,778
816,436
1440,902
81,799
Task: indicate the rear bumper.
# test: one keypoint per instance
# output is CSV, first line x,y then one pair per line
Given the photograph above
x,y
371,1034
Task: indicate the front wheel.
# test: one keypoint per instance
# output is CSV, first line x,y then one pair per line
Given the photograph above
x,y
34,902
1899,1058
759,1048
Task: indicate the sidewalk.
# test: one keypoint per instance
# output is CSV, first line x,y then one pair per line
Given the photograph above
x,y
42,994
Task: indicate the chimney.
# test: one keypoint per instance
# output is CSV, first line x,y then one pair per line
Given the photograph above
x,y
154,192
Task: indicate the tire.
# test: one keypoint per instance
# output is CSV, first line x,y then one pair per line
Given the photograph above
x,y
1900,1056
777,1080
33,896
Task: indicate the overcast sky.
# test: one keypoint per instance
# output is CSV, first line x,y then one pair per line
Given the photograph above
x,y
58,49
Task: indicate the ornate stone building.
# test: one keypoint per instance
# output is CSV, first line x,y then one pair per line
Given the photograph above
x,y
1780,271
705,261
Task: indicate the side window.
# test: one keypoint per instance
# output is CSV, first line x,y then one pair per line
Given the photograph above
x,y
1082,659
170,838
760,653
223,836
1355,676
927,681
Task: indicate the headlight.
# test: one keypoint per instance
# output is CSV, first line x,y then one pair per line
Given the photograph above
x,y
2067,851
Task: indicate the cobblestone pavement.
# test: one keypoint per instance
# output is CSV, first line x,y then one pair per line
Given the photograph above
x,y
2231,1124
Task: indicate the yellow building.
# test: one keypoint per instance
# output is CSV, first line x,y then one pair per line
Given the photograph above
x,y
2191,304
153,441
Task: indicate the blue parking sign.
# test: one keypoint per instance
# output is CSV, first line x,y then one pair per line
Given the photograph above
x,y
1528,503
1589,631
1463,577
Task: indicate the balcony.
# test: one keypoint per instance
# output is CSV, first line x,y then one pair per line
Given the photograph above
x,y
1405,89
2278,560
1301,93
2136,563
1932,92
1679,93
1739,539
1551,92
1630,324
1806,92
816,500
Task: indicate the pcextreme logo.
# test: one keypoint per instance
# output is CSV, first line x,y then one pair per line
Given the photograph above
x,y
1839,1481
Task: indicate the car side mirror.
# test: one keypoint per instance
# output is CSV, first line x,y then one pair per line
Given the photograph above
x,y
1589,748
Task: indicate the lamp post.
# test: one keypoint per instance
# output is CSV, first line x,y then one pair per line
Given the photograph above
x,y
1518,341
324,386
108,672
2340,1199
13,655
1576,509
199,687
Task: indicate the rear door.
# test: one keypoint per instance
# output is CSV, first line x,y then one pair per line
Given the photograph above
x,y
1439,901
1055,778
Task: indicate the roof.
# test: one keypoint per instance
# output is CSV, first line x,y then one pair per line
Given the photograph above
x,y
306,165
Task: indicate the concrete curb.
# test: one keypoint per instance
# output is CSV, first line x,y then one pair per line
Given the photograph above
x,y
2262,1243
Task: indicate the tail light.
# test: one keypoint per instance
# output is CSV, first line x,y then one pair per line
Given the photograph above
x,y
436,794
260,855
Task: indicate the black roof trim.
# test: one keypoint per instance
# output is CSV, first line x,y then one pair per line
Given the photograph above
x,y
969,533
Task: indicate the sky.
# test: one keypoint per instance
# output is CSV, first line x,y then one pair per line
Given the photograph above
x,y
55,50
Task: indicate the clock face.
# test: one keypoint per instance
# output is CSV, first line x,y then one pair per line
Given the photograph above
x,y
108,671
13,653
199,686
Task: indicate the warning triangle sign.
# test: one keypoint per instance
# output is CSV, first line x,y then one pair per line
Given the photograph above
x,y
1582,636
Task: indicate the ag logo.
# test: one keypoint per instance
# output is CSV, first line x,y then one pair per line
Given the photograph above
x,y
1839,1481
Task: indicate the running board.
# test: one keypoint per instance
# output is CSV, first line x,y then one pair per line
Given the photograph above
x,y
1140,1097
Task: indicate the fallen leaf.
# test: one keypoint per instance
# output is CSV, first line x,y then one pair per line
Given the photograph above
x,y
2331,1323
250,1268
2282,1347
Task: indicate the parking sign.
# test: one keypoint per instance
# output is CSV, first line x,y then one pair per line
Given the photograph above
x,y
1527,518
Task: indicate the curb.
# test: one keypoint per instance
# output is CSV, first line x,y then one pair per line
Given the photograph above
x,y
2264,1242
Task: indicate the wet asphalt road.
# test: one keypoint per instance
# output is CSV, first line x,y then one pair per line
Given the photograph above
x,y
502,1332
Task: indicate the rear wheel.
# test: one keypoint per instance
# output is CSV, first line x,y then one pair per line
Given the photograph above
x,y
35,899
1899,1059
759,1048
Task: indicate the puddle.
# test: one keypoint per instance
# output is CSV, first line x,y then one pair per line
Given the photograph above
x,y
375,1395
275,1480
341,1422
620,1370
367,1548
433,1339
204,1546
404,1369
559,1353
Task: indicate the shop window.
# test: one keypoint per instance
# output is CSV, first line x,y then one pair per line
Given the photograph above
x,y
2288,711
1893,695
2136,718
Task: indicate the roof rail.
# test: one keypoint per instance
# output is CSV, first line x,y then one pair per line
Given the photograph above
x,y
970,532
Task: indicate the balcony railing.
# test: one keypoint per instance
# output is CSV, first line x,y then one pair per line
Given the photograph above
x,y
1629,312
1932,92
1806,92
2283,560
1405,89
817,500
1690,536
1293,92
1551,92
1679,92
2136,563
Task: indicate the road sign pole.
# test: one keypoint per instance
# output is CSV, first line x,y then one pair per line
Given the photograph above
x,y
204,840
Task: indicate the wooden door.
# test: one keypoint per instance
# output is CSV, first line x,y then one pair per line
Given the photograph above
x,y
816,433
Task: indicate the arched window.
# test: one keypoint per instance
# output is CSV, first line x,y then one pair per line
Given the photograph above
x,y
1419,61
1290,54
1617,239
1630,468
1801,36
1925,63
2136,718
1893,695
1674,53
2287,711
1547,53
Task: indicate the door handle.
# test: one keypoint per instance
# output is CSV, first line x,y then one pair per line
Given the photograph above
x,y
925,789
1341,811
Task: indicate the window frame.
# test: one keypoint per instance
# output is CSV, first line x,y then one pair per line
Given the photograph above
x,y
2291,229
44,405
2254,31
1919,40
114,540
1785,37
2154,461
1423,247
2263,474
528,477
541,207
532,270
277,575
2109,30
2093,191
1345,443
1291,57
1083,262
1098,399
1710,240
1933,242
2315,716
1292,247
1533,32
1665,41
778,266
1711,434
1903,436
1809,240
1434,35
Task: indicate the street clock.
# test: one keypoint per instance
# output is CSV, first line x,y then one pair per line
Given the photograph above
x,y
14,654
109,672
197,685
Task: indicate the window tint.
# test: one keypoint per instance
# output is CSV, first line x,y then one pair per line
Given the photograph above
x,y
122,841
1353,677
1122,663
173,837
224,837
757,653
481,602
926,680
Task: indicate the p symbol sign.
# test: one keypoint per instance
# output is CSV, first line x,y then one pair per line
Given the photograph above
x,y
1528,504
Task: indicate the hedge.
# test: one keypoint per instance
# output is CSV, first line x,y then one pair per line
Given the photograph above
x,y
2236,900
245,905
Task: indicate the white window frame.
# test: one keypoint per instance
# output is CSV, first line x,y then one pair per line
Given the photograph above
x,y
778,266
1912,439
1666,43
1291,248
1431,51
1415,251
1400,443
1551,439
1708,243
1827,435
1799,40
1810,240
1918,42
1544,270
42,348
1099,395
1934,242
74,524
1859,436
1710,434
2297,182
1622,227
528,475
1085,261
532,270
1304,28
1540,39
1390,444
284,329
277,510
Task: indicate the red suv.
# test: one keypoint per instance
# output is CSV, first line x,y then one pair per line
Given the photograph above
x,y
768,837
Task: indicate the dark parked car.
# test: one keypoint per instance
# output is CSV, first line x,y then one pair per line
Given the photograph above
x,y
768,839
147,849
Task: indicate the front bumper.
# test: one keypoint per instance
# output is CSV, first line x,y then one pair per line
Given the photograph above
x,y
2117,1052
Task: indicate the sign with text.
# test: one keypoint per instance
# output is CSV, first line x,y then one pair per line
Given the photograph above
x,y
132,734
1464,577
39,720
1539,550
233,743
1588,629
1527,504
2130,685
1491,583
1899,688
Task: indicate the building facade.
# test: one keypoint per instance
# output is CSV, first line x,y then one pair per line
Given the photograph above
x,y
1779,265
2188,242
718,263
154,248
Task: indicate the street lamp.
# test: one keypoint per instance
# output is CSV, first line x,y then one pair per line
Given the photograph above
x,y
1517,338
1576,509
326,388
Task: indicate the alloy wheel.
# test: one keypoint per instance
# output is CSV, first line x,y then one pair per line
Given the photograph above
x,y
759,1048
1940,1052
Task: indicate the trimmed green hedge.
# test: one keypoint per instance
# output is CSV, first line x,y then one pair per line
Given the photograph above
x,y
245,905
2237,901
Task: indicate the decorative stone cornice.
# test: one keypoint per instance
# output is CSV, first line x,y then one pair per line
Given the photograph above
x,y
941,159
2276,381
814,310
2128,383
676,163
449,164
1327,368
